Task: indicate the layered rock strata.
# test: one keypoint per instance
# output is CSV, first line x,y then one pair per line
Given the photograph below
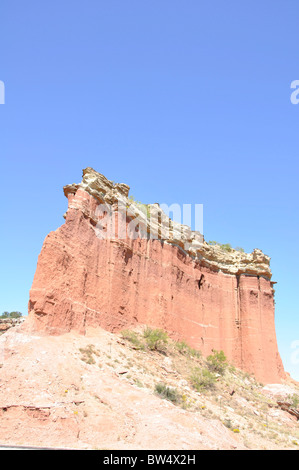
x,y
116,263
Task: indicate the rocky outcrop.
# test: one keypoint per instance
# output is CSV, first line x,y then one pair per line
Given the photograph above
x,y
287,406
116,263
7,323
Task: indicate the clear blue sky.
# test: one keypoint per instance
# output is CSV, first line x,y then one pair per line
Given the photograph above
x,y
185,101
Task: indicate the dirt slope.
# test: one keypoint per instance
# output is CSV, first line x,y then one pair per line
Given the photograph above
x,y
98,392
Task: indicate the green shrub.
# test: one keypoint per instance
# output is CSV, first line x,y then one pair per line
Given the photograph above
x,y
202,379
133,338
169,393
87,354
145,208
155,339
226,247
217,362
186,350
294,399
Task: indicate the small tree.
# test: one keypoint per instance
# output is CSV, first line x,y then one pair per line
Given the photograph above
x,y
217,362
226,247
11,315
5,315
15,314
155,339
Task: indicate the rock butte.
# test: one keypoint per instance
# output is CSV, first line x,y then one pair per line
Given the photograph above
x,y
200,293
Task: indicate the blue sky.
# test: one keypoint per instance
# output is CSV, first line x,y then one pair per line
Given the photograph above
x,y
186,102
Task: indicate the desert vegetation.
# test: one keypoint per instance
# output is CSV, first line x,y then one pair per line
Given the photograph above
x,y
11,315
226,246
179,374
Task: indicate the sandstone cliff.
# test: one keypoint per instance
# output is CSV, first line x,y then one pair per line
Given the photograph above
x,y
164,276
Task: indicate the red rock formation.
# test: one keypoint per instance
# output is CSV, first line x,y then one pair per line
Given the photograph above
x,y
208,297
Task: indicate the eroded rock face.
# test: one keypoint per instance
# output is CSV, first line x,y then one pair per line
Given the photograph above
x,y
197,292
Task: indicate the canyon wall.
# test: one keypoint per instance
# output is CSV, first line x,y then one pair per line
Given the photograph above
x,y
200,293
